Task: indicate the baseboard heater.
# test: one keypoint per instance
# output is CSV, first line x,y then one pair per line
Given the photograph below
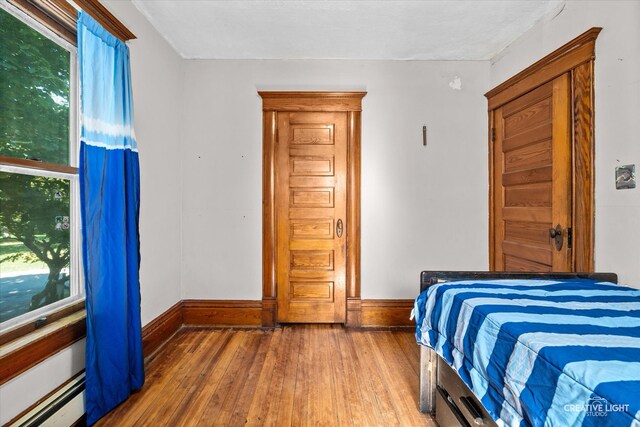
x,y
63,408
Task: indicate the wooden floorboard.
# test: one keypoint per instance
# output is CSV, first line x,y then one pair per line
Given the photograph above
x,y
301,375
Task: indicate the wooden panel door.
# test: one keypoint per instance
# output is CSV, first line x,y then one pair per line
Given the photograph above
x,y
532,180
311,200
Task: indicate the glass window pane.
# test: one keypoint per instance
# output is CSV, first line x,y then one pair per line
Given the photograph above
x,y
35,230
34,94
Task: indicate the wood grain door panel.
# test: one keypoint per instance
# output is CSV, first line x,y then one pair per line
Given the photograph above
x,y
532,179
317,228
311,166
312,134
311,197
305,291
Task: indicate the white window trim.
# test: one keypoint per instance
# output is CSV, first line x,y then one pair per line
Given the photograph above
x,y
76,276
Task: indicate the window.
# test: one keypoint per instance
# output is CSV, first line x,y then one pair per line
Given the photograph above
x,y
39,218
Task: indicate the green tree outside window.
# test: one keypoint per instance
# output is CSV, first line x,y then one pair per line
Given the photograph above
x,y
34,124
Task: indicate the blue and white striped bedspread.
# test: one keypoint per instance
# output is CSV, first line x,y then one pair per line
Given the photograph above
x,y
540,352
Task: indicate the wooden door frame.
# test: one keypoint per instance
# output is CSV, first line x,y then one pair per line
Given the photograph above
x,y
286,102
576,58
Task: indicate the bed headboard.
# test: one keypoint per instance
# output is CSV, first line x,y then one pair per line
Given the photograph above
x,y
428,278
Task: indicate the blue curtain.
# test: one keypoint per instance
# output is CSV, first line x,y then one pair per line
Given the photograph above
x,y
110,201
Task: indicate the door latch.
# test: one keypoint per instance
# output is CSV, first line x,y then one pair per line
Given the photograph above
x,y
339,228
556,234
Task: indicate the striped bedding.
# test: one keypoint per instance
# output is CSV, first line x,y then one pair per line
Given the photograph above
x,y
540,352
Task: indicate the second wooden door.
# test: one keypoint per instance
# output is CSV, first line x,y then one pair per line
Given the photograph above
x,y
532,197
310,201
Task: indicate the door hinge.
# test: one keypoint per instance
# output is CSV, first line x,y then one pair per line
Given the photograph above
x,y
569,237
493,134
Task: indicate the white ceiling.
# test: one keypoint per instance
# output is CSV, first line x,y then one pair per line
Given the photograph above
x,y
335,29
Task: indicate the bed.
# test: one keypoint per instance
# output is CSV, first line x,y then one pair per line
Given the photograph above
x,y
528,349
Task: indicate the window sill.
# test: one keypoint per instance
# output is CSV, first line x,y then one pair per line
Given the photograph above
x,y
26,351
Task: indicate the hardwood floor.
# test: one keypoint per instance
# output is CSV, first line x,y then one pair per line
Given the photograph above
x,y
319,375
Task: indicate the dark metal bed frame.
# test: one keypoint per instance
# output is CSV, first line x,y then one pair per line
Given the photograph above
x,y
431,363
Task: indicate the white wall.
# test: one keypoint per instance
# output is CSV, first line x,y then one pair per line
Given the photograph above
x,y
422,207
617,106
157,75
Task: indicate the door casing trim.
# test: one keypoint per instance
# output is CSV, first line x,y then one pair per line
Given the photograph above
x,y
272,104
